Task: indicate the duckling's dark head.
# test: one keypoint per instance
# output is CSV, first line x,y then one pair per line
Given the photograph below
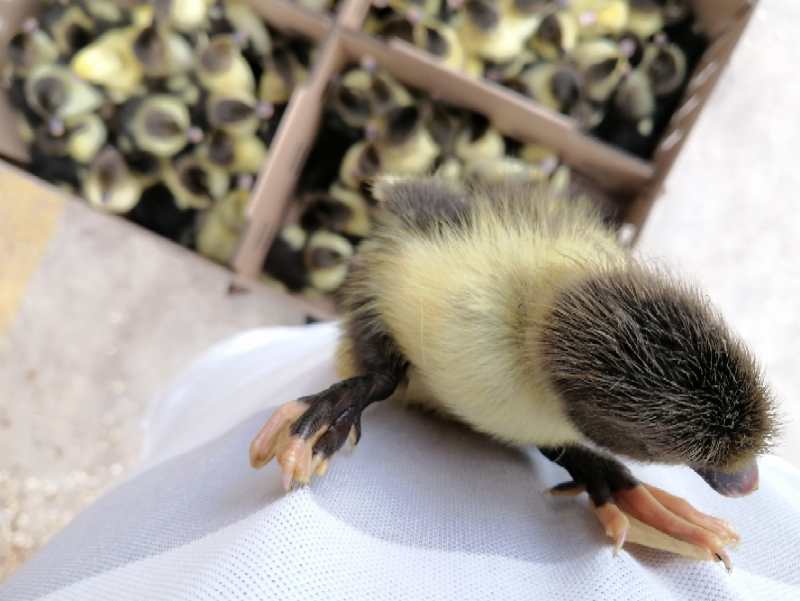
x,y
647,369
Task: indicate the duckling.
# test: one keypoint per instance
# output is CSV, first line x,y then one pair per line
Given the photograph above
x,y
144,166
635,102
184,15
486,31
675,11
359,95
602,65
55,93
560,181
110,61
665,65
358,224
220,227
450,168
249,26
81,138
194,183
31,48
327,258
283,71
510,69
183,86
109,184
518,286
556,36
479,140
645,18
504,168
221,68
416,9
106,13
554,85
285,260
236,113
236,154
599,17
441,41
445,124
360,164
159,124
340,210
403,142
162,53
69,26
543,157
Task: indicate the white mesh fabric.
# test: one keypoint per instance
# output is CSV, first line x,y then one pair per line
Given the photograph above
x,y
422,509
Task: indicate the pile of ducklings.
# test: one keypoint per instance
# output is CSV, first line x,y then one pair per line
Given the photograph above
x,y
617,67
161,111
374,125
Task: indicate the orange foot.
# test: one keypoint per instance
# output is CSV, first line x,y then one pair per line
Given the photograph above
x,y
631,511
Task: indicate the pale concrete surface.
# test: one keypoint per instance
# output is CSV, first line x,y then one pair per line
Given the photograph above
x,y
729,218
110,316
731,213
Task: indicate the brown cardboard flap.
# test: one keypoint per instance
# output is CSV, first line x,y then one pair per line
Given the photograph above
x,y
292,18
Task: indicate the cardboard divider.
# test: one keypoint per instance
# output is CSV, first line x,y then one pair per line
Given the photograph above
x,y
289,17
353,13
635,182
287,155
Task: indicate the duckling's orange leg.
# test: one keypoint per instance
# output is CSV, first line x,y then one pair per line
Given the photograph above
x,y
618,496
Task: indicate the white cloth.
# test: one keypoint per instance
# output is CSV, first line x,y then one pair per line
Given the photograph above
x,y
422,509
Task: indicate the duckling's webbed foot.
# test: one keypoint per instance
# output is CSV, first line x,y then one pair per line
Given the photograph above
x,y
305,433
631,511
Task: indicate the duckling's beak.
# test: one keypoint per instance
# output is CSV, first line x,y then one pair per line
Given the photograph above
x,y
731,484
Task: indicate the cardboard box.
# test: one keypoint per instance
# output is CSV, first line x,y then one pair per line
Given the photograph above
x,y
633,183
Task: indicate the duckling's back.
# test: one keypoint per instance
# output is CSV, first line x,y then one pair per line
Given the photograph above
x,y
458,276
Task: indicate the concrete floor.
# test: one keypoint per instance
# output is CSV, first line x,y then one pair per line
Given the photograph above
x,y
729,219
